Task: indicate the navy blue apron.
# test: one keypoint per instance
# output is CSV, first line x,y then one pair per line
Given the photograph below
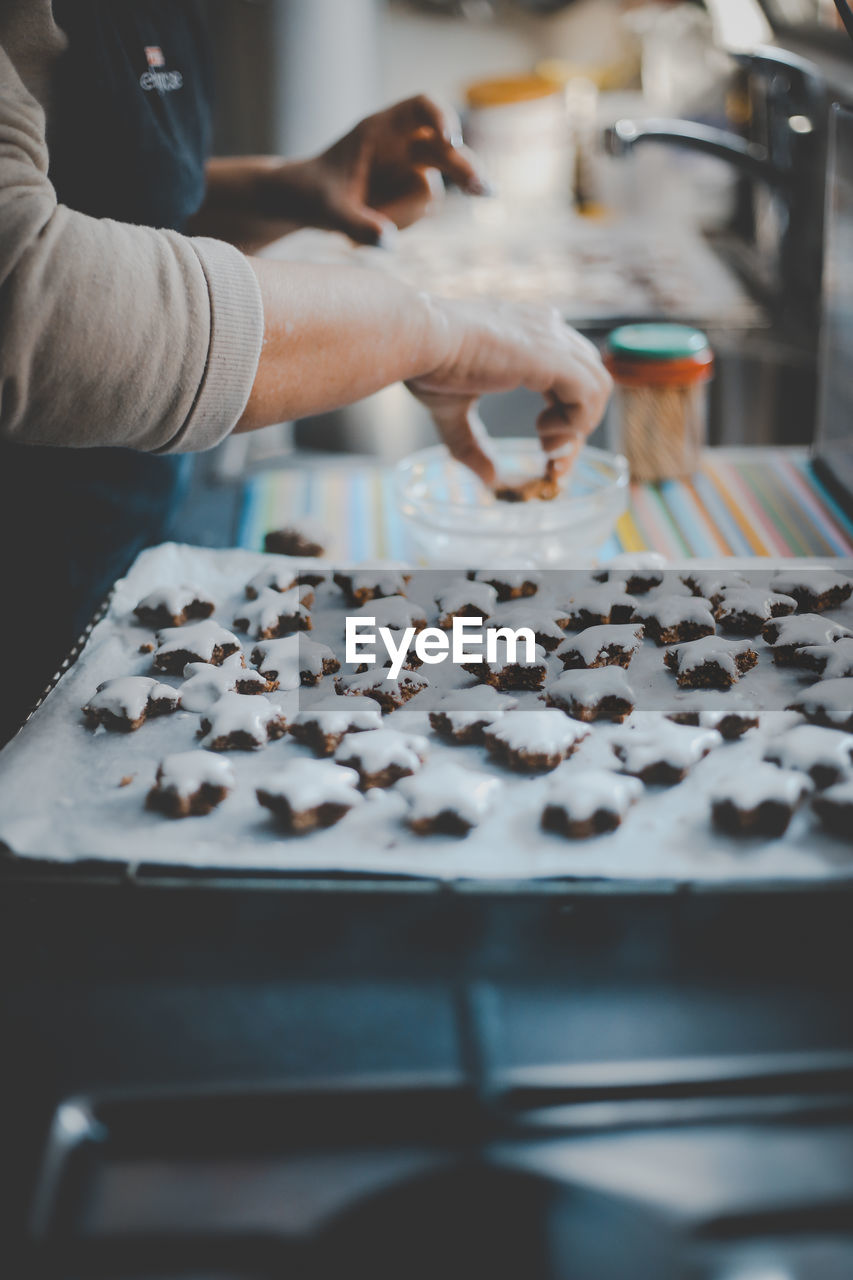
x,y
129,134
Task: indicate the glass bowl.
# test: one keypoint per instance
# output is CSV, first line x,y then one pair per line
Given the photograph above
x,y
448,517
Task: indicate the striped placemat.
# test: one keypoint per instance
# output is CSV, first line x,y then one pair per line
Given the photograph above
x,y
742,502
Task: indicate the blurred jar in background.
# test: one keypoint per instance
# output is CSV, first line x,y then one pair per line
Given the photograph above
x,y
659,413
519,127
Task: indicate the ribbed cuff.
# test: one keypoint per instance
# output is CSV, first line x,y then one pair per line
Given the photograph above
x,y
236,337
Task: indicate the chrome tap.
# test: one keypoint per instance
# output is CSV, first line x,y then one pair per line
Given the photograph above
x,y
786,153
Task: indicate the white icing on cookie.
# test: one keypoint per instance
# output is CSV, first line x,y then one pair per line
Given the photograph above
x,y
394,612
678,745
538,732
445,788
754,603
174,599
587,687
378,582
341,715
540,620
374,681
482,704
599,599
672,611
284,660
511,577
204,685
840,793
805,630
812,582
380,749
504,661
250,714
594,642
808,745
711,584
200,639
463,594
692,655
307,784
832,699
581,793
276,577
273,610
834,661
127,697
760,783
188,771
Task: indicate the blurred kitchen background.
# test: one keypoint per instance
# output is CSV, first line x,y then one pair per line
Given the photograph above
x,y
650,160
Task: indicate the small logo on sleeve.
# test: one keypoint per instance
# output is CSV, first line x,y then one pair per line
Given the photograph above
x,y
157,78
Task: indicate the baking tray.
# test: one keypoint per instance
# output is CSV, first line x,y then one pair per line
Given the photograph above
x,y
141,873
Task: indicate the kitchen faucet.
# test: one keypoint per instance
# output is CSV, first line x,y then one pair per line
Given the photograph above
x,y
786,152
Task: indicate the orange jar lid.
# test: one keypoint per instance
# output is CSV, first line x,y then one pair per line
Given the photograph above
x,y
506,90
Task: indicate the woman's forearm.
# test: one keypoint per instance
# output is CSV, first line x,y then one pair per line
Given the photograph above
x,y
335,334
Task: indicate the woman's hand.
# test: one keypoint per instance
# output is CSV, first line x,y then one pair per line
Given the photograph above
x,y
384,174
494,346
336,334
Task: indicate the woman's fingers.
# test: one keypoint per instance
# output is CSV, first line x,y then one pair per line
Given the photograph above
x,y
461,428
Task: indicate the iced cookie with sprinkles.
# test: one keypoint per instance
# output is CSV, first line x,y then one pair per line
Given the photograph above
x,y
829,703
676,619
790,637
190,784
309,795
597,604
204,684
510,668
548,625
588,802
601,693
462,716
745,611
361,585
834,809
710,663
758,802
394,612
381,757
663,756
276,613
204,641
814,590
173,607
294,660
826,755
323,726
603,646
240,723
730,724
713,584
123,705
463,598
445,800
298,538
510,583
532,741
390,694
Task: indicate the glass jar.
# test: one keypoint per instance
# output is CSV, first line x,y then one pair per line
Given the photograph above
x,y
660,404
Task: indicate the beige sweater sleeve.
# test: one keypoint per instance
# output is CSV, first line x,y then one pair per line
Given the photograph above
x,y
112,334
